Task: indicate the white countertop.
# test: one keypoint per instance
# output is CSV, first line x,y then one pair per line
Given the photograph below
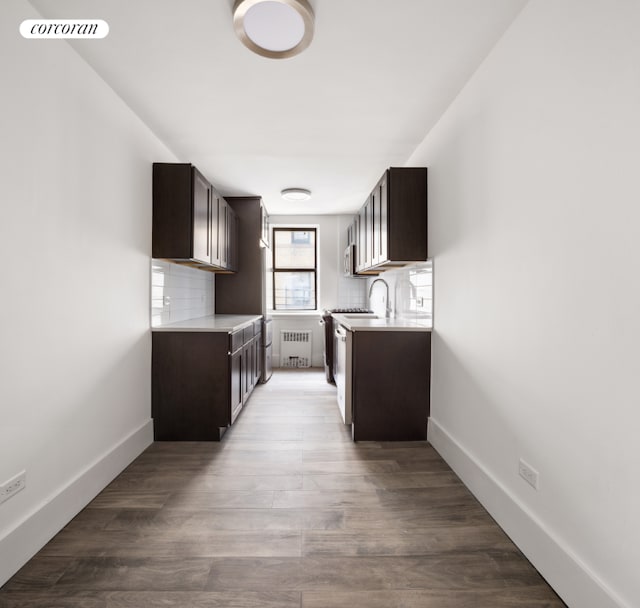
x,y
222,323
365,323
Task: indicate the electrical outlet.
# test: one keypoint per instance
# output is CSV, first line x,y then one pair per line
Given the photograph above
x,y
13,486
528,473
166,301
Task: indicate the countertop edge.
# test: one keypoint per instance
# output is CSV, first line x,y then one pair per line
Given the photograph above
x,y
212,323
368,324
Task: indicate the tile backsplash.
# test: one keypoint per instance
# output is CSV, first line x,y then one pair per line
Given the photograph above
x,y
410,292
179,293
414,293
352,293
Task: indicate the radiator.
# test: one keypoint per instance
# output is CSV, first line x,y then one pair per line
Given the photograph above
x,y
295,348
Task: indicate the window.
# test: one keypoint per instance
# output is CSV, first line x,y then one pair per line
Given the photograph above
x,y
295,269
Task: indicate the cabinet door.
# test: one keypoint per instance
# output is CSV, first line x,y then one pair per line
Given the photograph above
x,y
379,222
201,218
381,231
223,230
257,359
375,227
355,235
362,239
254,361
232,240
215,238
247,372
252,365
264,225
368,233
236,384
407,207
259,355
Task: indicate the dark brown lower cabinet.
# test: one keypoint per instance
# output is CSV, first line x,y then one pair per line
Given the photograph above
x,y
257,358
391,380
199,383
247,369
237,386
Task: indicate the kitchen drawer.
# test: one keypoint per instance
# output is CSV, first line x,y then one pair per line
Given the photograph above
x,y
267,333
257,327
248,333
236,340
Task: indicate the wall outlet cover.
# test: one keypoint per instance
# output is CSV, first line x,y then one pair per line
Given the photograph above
x,y
13,486
528,473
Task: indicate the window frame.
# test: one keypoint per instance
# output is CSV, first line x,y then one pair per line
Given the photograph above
x,y
276,270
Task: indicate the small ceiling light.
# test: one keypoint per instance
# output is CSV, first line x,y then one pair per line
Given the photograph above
x,y
274,28
296,194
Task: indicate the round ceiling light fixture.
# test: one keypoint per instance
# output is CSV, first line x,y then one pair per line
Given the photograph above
x,y
274,28
296,194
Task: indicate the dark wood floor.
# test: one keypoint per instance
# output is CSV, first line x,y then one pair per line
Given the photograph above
x,y
285,512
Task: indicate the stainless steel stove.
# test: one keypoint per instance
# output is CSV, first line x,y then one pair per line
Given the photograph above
x,y
327,322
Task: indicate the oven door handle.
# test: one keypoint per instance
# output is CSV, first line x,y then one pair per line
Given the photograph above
x,y
340,334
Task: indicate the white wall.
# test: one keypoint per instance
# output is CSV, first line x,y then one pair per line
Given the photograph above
x,y
334,290
535,228
75,238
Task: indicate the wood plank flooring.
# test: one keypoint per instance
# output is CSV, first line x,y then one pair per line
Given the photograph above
x,y
285,512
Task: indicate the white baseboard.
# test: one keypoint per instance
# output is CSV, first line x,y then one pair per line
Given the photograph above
x,y
44,522
571,579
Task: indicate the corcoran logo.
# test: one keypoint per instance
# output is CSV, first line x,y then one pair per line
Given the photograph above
x,y
64,28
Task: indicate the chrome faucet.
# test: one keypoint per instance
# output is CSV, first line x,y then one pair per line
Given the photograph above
x,y
387,312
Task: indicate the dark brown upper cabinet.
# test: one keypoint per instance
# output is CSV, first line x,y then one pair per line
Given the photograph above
x,y
365,238
191,222
242,293
227,237
390,229
264,226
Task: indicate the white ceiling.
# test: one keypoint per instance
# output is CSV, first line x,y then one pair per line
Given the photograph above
x,y
376,78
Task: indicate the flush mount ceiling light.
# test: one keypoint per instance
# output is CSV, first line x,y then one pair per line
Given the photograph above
x,y
296,194
274,28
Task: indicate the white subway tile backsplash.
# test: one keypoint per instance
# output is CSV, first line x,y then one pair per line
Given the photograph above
x,y
411,291
157,277
157,291
352,293
190,293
